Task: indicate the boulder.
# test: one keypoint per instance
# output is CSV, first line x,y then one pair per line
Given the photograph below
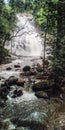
x,y
41,76
2,83
6,125
33,72
50,57
39,68
2,103
15,92
14,96
41,85
19,93
3,92
35,121
46,62
17,66
20,82
26,68
8,68
41,94
12,80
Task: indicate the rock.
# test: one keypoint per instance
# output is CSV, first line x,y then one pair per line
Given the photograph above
x,y
6,125
41,94
22,128
33,72
46,62
12,80
8,68
19,93
41,85
3,92
39,68
26,68
50,57
15,92
17,66
2,83
20,82
14,96
41,76
36,121
2,103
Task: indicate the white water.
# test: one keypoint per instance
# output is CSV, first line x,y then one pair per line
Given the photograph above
x,y
28,41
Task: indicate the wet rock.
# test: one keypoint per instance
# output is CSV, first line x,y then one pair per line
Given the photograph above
x,y
14,96
33,72
50,57
20,82
15,92
46,62
22,128
36,121
3,92
41,94
17,66
2,103
12,80
8,68
26,68
39,68
41,76
6,125
41,85
19,93
2,83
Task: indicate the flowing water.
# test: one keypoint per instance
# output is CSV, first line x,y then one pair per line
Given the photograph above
x,y
28,41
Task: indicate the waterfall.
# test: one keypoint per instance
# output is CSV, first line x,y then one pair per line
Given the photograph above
x,y
28,41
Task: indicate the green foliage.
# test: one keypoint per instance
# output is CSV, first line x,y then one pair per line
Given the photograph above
x,y
7,23
3,54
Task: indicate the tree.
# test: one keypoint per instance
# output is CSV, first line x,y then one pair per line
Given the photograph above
x,y
7,23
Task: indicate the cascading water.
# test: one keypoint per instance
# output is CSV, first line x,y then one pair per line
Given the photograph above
x,y
28,41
